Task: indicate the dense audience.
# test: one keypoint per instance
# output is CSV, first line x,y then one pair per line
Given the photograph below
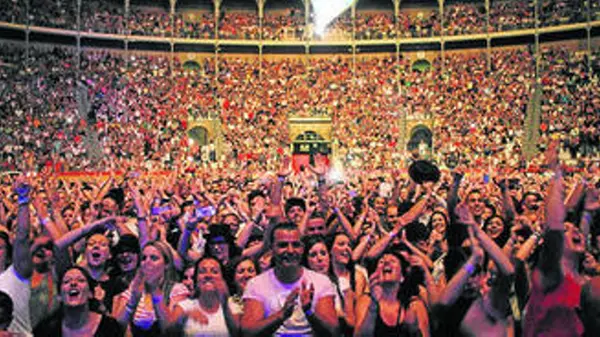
x,y
289,24
464,19
134,110
510,15
228,252
174,239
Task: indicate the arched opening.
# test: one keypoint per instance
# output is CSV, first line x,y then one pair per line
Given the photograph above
x,y
307,146
421,65
191,65
199,135
421,139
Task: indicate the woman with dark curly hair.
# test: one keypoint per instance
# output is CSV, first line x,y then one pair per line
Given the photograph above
x,y
392,308
76,317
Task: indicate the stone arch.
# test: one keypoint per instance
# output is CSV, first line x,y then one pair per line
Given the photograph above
x,y
199,134
420,134
191,65
421,65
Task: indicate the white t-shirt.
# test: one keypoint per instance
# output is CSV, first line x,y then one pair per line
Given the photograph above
x,y
216,327
268,290
19,290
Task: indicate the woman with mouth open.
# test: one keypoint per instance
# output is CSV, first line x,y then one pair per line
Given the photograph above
x,y
208,312
392,308
76,317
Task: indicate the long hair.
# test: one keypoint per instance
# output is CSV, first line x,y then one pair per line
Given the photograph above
x,y
503,237
170,274
229,273
93,303
309,241
197,293
413,278
350,266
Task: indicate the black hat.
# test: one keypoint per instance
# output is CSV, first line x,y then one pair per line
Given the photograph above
x,y
422,171
128,243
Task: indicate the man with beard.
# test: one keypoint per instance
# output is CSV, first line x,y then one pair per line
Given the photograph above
x,y
289,299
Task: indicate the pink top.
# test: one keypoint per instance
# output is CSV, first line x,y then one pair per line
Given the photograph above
x,y
553,314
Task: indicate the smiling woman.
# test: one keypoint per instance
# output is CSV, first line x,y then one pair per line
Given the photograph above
x,y
208,313
75,317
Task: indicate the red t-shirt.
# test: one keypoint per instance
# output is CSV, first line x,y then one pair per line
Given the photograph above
x,y
553,314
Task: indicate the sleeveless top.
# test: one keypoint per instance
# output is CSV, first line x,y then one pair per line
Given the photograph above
x,y
553,313
398,330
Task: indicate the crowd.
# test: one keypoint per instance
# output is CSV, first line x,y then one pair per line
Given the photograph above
x,y
237,252
459,19
134,110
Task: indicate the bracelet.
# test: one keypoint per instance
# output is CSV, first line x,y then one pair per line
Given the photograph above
x,y
44,221
22,200
130,308
469,268
156,299
281,179
537,235
309,312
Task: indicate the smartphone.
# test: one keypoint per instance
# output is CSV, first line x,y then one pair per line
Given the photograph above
x,y
160,210
205,212
486,178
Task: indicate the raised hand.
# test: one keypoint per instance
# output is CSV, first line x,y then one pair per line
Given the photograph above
x,y
375,285
137,284
286,167
307,293
464,215
290,303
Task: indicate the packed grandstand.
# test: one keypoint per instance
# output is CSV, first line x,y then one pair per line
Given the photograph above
x,y
492,216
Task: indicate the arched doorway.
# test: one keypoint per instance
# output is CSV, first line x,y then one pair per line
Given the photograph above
x,y
191,65
421,65
307,146
421,139
199,135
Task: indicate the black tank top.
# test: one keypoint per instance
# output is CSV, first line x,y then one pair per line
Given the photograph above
x,y
398,330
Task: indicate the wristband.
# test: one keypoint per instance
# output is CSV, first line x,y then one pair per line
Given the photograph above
x,y
469,268
281,179
22,200
130,308
309,312
44,221
156,299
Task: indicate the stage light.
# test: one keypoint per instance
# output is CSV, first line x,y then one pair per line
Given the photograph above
x,y
325,11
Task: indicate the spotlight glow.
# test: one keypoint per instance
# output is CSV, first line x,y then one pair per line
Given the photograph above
x,y
325,11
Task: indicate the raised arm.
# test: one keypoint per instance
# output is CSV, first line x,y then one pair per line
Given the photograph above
x,y
552,249
21,255
455,287
78,234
